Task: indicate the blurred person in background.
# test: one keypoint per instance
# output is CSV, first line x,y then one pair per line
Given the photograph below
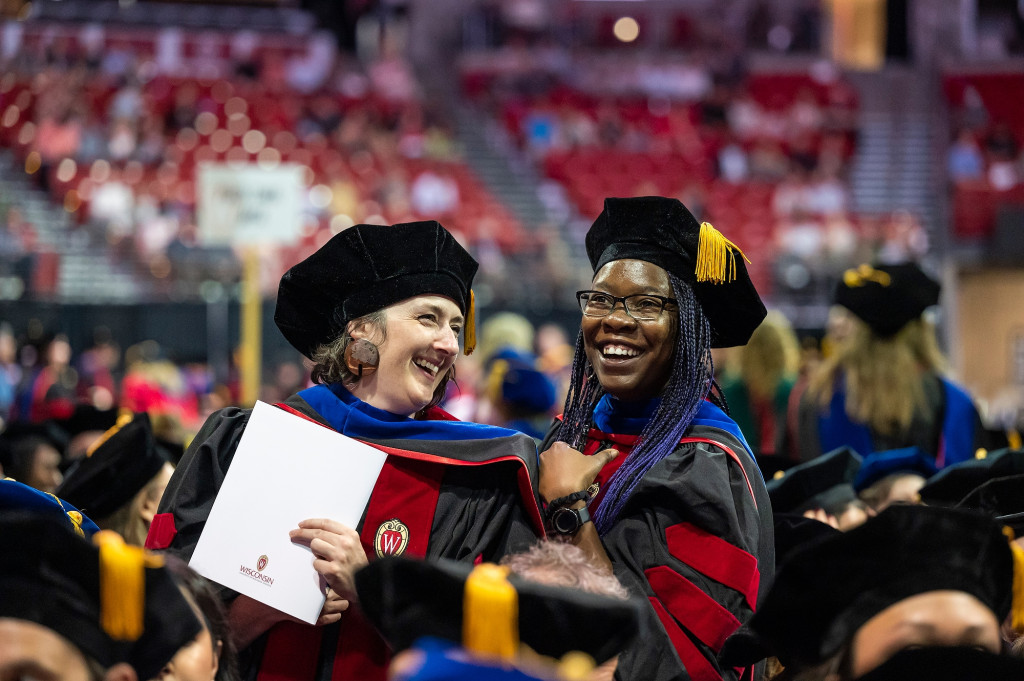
x,y
884,387
31,454
757,390
121,479
644,470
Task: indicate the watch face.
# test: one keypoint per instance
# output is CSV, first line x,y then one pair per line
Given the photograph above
x,y
565,521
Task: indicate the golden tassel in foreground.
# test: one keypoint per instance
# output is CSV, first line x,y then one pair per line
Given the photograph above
x,y
716,259
470,344
490,613
122,585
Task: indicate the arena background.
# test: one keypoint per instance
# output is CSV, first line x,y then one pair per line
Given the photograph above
x,y
818,135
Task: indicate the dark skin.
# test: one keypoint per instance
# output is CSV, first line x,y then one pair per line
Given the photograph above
x,y
638,375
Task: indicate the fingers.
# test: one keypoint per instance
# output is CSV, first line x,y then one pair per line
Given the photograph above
x,y
606,456
334,606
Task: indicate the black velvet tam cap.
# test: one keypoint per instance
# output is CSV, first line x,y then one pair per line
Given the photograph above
x,y
1002,498
366,268
952,663
116,603
115,469
486,611
887,297
825,482
953,483
825,592
662,231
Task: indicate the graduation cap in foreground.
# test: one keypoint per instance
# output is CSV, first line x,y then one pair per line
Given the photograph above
x,y
953,483
825,592
115,602
663,232
824,482
1002,498
887,297
115,468
952,663
880,465
489,612
17,496
366,268
793,532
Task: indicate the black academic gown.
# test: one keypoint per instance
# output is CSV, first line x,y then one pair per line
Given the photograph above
x,y
695,542
468,500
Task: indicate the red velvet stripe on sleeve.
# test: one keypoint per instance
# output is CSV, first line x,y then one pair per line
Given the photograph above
x,y
697,666
716,558
700,614
161,532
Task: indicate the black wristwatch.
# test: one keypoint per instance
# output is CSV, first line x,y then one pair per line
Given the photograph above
x,y
568,521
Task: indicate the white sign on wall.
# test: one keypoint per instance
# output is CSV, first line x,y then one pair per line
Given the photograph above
x,y
248,205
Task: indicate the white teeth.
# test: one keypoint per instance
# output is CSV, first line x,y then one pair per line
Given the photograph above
x,y
432,368
619,351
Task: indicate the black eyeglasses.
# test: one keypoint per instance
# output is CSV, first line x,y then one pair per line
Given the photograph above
x,y
643,307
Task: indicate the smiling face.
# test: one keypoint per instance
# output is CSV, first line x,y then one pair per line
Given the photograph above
x,y
933,618
632,360
420,346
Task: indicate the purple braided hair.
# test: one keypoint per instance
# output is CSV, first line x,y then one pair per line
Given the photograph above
x,y
687,387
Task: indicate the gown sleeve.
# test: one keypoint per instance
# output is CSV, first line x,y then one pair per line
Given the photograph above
x,y
695,542
190,494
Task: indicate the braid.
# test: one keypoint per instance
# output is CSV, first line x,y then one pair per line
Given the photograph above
x,y
584,392
688,385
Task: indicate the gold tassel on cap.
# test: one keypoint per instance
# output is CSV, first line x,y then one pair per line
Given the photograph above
x,y
1017,604
122,585
490,613
716,256
123,420
470,344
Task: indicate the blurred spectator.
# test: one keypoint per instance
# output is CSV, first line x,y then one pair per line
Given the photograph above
x,y
732,163
757,392
434,195
10,371
964,161
31,459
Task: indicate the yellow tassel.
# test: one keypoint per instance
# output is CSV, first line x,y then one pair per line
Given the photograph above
x,y
490,613
123,420
470,344
122,585
494,379
716,256
1013,438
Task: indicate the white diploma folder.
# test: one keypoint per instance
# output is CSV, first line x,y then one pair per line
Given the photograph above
x,y
285,469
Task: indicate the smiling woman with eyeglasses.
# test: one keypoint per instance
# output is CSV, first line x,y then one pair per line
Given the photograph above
x,y
645,471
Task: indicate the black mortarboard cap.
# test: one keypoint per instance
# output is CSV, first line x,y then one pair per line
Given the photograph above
x,y
115,469
794,531
662,231
114,602
823,593
953,483
48,430
879,465
17,496
947,663
368,267
887,297
86,418
410,599
1002,498
824,482
773,466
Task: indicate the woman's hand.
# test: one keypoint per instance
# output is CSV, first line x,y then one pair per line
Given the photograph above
x,y
564,470
338,554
